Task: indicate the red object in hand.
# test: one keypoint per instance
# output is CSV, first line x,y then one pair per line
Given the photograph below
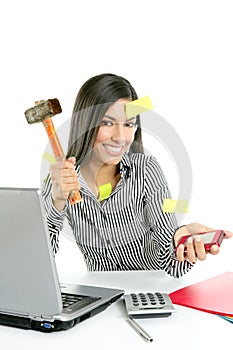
x,y
208,238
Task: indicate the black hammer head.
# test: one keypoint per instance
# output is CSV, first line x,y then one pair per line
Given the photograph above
x,y
43,110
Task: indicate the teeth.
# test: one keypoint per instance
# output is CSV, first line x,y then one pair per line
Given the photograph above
x,y
113,149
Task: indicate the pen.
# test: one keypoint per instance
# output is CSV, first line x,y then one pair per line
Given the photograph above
x,y
139,330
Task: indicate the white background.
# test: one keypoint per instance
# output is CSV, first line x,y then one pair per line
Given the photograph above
x,y
177,52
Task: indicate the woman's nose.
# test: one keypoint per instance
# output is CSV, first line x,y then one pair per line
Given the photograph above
x,y
118,132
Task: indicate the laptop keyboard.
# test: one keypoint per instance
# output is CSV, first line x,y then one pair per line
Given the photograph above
x,y
73,302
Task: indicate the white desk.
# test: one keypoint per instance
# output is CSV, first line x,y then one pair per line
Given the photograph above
x,y
185,329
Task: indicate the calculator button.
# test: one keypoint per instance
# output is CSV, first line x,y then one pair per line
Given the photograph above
x,y
135,304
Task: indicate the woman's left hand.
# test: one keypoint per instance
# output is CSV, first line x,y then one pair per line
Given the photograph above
x,y
195,246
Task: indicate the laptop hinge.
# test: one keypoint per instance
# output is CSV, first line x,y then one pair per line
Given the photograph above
x,y
46,317
41,317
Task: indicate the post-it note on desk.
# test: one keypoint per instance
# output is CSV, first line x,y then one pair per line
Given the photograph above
x,y
138,106
213,295
105,191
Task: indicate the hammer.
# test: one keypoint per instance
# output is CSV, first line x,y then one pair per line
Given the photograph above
x,y
43,112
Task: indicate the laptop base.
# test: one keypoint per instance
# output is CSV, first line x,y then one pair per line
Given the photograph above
x,y
46,326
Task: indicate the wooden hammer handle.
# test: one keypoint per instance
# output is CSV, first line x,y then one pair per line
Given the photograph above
x,y
53,138
74,196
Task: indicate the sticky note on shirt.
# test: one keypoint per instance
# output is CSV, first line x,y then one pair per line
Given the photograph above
x,y
138,106
175,206
105,191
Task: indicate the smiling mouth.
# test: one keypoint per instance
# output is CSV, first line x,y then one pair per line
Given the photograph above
x,y
114,150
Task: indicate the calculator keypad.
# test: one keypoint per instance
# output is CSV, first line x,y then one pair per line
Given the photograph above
x,y
148,304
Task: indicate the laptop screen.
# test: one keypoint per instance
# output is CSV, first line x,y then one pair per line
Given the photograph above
x,y
28,277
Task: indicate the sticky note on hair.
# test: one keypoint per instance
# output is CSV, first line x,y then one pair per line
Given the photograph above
x,y
49,158
175,206
138,106
105,191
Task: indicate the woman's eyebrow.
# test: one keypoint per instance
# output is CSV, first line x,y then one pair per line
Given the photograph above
x,y
114,119
109,117
131,119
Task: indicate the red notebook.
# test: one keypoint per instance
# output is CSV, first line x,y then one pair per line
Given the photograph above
x,y
214,295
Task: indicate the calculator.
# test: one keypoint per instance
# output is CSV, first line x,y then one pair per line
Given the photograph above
x,y
146,305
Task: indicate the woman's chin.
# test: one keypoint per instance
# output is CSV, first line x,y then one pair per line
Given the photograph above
x,y
112,161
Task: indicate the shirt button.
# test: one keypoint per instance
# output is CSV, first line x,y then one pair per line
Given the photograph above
x,y
108,242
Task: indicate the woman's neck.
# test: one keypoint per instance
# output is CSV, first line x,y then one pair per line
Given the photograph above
x,y
97,175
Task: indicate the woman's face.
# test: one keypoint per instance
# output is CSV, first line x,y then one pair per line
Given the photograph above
x,y
115,134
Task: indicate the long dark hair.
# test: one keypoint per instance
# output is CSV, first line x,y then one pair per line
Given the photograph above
x,y
94,98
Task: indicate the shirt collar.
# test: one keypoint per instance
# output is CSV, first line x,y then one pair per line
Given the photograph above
x,y
125,168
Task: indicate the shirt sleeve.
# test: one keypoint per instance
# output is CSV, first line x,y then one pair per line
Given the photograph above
x,y
163,225
54,217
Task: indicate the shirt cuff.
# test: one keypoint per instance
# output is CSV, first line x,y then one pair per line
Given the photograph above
x,y
53,212
173,239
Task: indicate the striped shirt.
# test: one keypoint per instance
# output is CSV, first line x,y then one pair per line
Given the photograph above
x,y
128,230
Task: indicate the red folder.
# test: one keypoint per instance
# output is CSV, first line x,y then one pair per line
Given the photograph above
x,y
214,295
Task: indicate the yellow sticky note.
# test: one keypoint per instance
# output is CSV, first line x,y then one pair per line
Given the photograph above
x,y
105,191
49,158
175,206
138,106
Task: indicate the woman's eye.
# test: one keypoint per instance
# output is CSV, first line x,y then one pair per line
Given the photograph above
x,y
106,123
130,125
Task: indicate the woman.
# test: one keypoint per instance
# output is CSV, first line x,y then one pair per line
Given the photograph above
x,y
127,228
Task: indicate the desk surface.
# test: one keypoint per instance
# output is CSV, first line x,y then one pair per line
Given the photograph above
x,y
185,329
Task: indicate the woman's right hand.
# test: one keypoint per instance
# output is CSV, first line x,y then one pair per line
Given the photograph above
x,y
64,179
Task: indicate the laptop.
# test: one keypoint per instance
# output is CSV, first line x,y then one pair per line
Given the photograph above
x,y
30,294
